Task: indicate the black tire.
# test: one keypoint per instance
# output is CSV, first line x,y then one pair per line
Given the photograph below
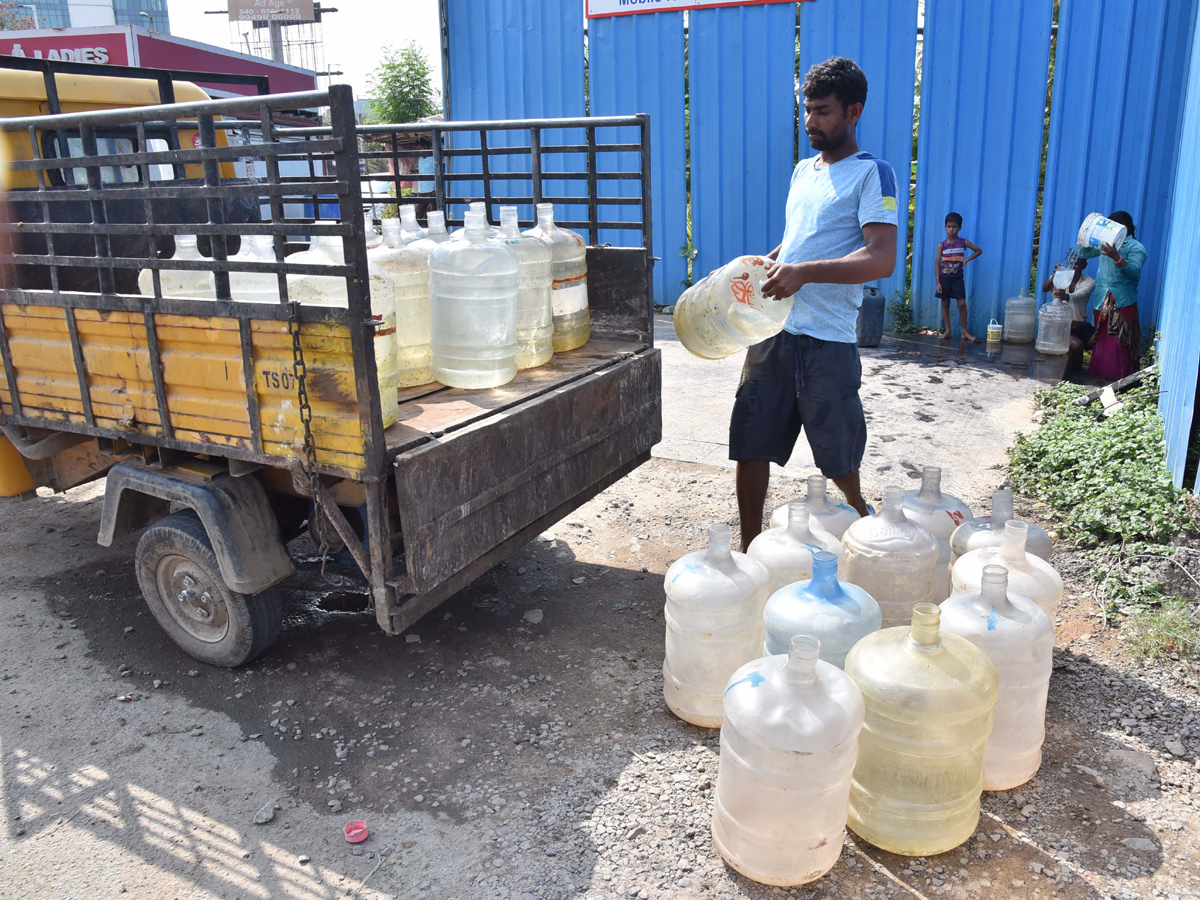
x,y
181,581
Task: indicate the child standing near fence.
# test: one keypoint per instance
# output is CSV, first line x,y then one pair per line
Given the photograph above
x,y
951,257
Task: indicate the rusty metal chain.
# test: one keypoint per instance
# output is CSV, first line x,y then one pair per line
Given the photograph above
x,y
309,460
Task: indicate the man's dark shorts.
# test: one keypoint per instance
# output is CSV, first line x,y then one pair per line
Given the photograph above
x,y
793,380
954,287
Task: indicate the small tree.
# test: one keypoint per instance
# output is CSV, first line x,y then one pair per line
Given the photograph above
x,y
402,86
12,19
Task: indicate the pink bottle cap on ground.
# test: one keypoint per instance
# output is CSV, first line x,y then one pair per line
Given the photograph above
x,y
356,831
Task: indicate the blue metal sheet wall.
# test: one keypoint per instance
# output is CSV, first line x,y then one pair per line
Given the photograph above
x,y
881,35
1179,349
982,109
741,72
636,64
495,75
1119,79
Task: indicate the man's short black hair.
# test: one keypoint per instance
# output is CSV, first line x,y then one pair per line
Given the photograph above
x,y
838,76
955,218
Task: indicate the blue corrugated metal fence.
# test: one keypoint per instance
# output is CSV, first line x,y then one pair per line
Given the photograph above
x,y
983,93
1179,349
1119,81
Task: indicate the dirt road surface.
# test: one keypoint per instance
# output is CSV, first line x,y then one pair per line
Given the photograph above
x,y
521,747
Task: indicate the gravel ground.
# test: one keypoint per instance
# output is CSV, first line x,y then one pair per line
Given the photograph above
x,y
514,745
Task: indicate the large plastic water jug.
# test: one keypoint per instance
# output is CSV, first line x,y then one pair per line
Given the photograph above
x,y
252,287
929,697
1020,319
572,318
939,514
714,614
986,531
410,230
473,296
1018,637
892,559
535,301
726,311
408,267
787,550
180,282
823,513
330,290
837,613
789,743
1054,328
1028,575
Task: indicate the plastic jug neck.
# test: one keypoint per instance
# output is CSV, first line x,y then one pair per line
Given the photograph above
x,y
993,588
437,221
185,247
545,216
1012,543
798,513
803,654
817,491
326,245
258,246
824,575
475,226
931,485
508,222
392,235
1002,507
926,625
893,503
408,223
720,546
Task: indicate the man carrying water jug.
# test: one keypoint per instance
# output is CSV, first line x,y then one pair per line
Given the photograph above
x,y
840,233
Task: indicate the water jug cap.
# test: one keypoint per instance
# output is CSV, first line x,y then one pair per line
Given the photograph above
x,y
474,219
803,654
408,213
389,226
1002,507
926,624
478,206
545,213
185,240
437,221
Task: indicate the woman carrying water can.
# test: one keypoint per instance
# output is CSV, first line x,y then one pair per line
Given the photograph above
x,y
1117,343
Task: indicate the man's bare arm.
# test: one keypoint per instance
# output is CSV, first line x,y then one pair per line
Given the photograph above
x,y
875,260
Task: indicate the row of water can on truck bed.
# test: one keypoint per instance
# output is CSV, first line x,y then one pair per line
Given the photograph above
x,y
468,311
792,732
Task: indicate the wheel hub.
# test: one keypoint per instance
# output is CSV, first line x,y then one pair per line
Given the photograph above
x,y
193,599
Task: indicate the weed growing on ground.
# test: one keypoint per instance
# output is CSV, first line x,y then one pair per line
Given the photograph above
x,y
900,310
1105,481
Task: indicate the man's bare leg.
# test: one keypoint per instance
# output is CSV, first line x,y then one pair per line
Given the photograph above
x,y
753,476
849,486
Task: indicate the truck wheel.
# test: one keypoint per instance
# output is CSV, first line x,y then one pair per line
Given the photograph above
x,y
181,581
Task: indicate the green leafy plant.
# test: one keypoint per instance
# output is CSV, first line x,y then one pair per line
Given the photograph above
x,y
1106,483
12,18
900,310
402,85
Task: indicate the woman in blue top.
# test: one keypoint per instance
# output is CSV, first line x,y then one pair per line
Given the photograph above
x,y
1117,343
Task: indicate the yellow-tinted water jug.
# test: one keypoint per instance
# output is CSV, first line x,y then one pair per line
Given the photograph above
x,y
929,697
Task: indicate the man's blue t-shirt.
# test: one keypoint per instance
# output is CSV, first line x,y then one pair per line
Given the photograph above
x,y
826,211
